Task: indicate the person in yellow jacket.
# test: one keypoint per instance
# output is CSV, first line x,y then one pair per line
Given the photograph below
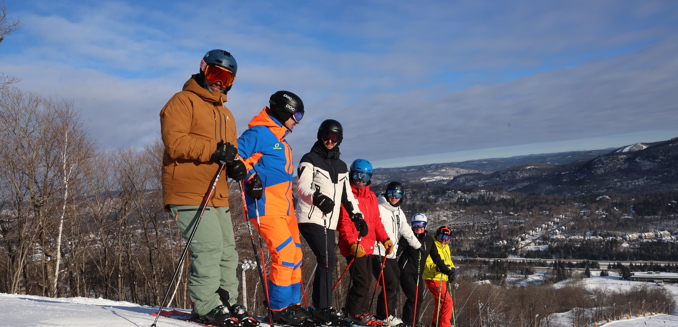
x,y
436,278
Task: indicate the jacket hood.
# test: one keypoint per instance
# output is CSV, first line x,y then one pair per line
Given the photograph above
x,y
264,119
385,204
210,96
323,152
360,191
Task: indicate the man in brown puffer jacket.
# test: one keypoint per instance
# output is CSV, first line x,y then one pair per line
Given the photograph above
x,y
199,134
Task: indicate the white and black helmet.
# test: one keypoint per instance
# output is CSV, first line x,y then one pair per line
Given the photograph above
x,y
419,217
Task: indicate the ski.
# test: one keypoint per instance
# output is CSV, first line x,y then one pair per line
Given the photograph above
x,y
313,323
231,322
255,321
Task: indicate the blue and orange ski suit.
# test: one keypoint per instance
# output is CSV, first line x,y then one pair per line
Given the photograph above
x,y
266,153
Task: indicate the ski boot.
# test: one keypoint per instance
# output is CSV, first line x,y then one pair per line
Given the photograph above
x,y
238,310
331,317
394,322
230,322
294,314
249,322
366,319
216,316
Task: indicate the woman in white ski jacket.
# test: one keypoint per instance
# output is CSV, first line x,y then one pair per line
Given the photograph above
x,y
395,223
322,187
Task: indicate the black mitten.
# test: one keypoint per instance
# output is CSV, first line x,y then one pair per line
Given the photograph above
x,y
254,187
323,202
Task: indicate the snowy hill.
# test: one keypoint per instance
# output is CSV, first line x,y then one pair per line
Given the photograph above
x,y
27,310
639,167
649,167
442,172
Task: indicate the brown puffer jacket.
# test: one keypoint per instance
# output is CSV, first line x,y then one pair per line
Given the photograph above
x,y
192,123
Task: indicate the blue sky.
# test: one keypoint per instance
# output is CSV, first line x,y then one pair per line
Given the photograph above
x,y
412,82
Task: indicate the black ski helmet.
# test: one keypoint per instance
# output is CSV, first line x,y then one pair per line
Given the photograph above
x,y
395,186
284,104
219,58
331,126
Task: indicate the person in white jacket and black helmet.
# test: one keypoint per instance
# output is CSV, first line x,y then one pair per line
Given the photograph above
x,y
322,187
395,223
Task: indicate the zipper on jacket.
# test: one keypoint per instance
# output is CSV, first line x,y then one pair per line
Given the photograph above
x,y
334,197
216,118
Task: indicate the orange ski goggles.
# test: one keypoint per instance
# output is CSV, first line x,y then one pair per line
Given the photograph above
x,y
214,74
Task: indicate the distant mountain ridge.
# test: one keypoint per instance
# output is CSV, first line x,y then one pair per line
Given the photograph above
x,y
640,167
448,171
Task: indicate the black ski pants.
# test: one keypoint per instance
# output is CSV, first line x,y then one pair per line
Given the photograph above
x,y
358,298
314,235
392,278
408,282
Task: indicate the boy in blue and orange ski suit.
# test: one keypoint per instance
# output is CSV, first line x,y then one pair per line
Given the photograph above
x,y
268,158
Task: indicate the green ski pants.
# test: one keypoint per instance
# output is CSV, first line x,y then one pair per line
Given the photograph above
x,y
214,259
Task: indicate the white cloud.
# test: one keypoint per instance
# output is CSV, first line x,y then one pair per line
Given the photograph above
x,y
404,79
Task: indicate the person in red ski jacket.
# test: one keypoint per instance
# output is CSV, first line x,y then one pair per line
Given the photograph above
x,y
357,236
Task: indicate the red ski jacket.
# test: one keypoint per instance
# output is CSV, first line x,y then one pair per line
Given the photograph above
x,y
367,202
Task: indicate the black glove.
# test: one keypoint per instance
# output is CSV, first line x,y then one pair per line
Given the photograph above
x,y
225,153
449,272
236,170
360,224
254,187
323,202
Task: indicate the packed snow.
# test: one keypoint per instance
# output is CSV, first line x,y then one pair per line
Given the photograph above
x,y
29,310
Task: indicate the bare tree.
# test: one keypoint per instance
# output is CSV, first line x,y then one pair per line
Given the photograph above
x,y
7,26
43,148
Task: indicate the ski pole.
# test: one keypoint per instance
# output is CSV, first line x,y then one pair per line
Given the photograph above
x,y
416,290
203,206
260,264
327,258
383,283
379,278
440,292
345,269
454,318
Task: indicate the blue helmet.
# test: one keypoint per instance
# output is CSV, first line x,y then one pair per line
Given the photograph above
x,y
219,58
361,169
361,165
